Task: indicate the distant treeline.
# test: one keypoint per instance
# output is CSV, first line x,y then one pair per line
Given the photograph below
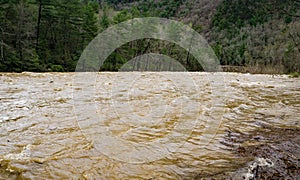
x,y
50,35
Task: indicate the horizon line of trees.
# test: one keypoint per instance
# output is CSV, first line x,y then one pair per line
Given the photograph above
x,y
50,35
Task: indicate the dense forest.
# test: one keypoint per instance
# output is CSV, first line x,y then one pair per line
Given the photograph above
x,y
258,36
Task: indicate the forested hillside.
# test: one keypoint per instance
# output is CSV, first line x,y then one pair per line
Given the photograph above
x,y
261,36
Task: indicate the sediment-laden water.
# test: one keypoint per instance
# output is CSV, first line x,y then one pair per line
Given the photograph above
x,y
147,125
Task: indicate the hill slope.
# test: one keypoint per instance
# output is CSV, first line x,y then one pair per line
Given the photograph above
x,y
262,36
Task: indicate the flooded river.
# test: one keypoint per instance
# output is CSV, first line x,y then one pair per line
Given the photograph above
x,y
132,125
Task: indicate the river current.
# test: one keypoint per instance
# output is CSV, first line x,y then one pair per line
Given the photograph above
x,y
136,125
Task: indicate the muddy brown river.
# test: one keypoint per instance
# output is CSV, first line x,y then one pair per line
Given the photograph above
x,y
146,125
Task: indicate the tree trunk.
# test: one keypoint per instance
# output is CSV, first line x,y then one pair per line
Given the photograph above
x,y
38,25
2,44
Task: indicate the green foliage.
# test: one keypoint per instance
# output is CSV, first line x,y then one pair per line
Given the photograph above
x,y
294,75
258,33
57,68
163,8
89,24
104,22
239,13
50,35
121,16
35,34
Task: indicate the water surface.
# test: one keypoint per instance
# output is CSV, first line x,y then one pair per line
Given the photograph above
x,y
161,123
